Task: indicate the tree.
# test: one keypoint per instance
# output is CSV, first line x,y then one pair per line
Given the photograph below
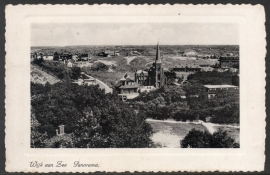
x,y
220,139
99,67
196,139
203,139
76,72
38,139
38,61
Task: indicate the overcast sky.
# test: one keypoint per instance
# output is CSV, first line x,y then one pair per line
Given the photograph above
x,y
51,34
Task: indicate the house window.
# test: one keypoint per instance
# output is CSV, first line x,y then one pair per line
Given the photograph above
x,y
158,76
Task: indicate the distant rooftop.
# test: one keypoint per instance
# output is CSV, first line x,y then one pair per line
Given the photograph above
x,y
135,85
130,96
141,71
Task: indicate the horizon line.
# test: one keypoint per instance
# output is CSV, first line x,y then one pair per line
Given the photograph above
x,y
149,45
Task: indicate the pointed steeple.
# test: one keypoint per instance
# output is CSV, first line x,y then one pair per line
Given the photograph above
x,y
158,59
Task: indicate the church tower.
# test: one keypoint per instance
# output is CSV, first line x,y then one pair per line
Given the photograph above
x,y
156,76
158,69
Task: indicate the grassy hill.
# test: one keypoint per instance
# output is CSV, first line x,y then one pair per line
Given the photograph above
x,y
41,77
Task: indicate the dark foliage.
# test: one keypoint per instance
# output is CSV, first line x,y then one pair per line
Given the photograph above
x,y
38,61
200,139
212,77
170,95
96,119
160,104
75,72
98,66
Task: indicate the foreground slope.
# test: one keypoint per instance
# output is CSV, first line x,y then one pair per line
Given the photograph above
x,y
41,77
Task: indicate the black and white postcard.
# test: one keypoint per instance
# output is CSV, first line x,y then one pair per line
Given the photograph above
x,y
135,88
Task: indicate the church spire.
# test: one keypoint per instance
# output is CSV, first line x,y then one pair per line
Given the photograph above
x,y
158,59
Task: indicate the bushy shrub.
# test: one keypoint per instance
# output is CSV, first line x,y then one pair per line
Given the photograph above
x,y
98,66
38,61
203,139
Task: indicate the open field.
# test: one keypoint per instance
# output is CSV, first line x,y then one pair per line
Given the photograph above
x,y
108,77
168,134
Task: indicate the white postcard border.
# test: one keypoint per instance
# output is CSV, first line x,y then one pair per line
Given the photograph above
x,y
252,91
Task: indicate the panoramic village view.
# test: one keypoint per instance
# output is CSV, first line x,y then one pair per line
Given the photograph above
x,y
135,96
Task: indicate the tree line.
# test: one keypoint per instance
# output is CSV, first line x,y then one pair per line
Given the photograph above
x,y
203,139
91,118
191,102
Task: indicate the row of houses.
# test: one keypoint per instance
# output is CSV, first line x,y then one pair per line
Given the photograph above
x,y
229,62
109,53
67,56
212,90
61,56
187,69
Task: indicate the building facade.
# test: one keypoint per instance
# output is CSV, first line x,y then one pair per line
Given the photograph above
x,y
229,62
187,69
62,56
212,89
127,88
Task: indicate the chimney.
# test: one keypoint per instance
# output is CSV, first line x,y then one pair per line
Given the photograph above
x,y
56,132
61,129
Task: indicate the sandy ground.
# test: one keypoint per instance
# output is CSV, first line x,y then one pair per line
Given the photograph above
x,y
182,58
168,133
130,58
83,64
41,77
107,62
165,138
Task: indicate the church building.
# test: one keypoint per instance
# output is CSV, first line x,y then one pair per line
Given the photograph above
x,y
154,76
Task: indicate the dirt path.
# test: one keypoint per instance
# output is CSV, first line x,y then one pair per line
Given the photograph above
x,y
210,126
102,85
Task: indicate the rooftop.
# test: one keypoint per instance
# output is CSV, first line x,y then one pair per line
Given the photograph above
x,y
130,96
130,86
141,71
220,86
